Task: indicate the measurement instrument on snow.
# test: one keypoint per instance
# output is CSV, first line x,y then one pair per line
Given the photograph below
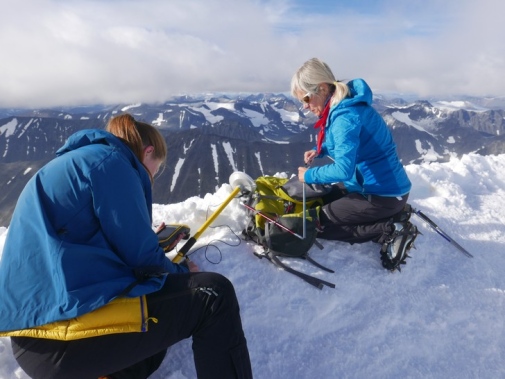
x,y
241,182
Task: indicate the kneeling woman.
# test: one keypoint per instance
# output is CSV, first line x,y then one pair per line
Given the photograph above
x,y
371,187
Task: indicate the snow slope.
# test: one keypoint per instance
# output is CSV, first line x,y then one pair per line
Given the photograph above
x,y
441,317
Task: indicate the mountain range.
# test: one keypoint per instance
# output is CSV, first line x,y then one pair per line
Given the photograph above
x,y
211,135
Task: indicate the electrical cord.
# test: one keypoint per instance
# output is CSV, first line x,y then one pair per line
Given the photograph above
x,y
211,243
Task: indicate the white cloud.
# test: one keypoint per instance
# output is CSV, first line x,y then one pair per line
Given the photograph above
x,y
79,51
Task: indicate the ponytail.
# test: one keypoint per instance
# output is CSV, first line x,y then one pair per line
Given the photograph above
x,y
124,127
340,93
137,136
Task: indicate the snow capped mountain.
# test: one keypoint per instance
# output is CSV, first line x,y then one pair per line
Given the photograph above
x,y
457,105
425,132
211,135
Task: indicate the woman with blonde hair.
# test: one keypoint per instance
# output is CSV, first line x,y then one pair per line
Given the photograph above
x,y
87,291
370,186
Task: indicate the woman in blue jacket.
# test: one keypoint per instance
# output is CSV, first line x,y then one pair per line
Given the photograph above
x,y
370,186
86,290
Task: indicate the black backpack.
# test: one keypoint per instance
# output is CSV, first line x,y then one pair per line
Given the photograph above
x,y
276,222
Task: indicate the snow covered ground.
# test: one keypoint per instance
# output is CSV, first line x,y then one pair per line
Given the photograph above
x,y
441,317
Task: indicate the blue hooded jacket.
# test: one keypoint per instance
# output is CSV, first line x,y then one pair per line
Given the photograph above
x,y
81,234
362,148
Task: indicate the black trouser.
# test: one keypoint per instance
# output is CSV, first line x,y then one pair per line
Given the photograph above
x,y
357,218
201,305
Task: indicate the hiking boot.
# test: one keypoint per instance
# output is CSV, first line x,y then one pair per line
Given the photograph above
x,y
395,249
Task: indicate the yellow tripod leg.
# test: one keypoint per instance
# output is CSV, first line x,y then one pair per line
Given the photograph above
x,y
191,241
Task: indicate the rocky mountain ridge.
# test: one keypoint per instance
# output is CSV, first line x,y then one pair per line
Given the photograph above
x,y
211,136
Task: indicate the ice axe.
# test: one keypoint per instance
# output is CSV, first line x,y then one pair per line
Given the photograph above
x,y
437,229
240,181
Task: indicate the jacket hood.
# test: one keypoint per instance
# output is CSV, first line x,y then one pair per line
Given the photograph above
x,y
360,93
90,137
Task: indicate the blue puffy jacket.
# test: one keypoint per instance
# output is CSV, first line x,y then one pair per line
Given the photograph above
x,y
81,234
362,148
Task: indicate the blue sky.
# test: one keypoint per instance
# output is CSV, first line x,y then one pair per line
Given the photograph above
x,y
78,52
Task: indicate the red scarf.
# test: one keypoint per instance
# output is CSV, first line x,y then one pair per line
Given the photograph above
x,y
321,123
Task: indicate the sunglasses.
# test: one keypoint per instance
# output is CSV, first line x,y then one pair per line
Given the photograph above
x,y
306,97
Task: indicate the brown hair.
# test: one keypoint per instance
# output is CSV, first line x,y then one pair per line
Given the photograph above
x,y
138,135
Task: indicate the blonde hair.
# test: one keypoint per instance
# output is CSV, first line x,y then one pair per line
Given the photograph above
x,y
138,135
314,72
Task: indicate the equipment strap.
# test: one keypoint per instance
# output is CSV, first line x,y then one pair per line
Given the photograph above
x,y
307,257
316,282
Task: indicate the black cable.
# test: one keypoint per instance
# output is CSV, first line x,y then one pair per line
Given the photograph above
x,y
217,240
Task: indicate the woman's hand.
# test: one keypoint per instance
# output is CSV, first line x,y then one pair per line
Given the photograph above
x,y
160,228
189,264
309,156
301,174
192,265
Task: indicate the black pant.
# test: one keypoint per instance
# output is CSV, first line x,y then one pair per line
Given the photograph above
x,y
357,218
201,305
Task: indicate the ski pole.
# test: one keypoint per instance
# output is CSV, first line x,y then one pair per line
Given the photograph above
x,y
441,232
304,199
272,220
304,209
240,181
